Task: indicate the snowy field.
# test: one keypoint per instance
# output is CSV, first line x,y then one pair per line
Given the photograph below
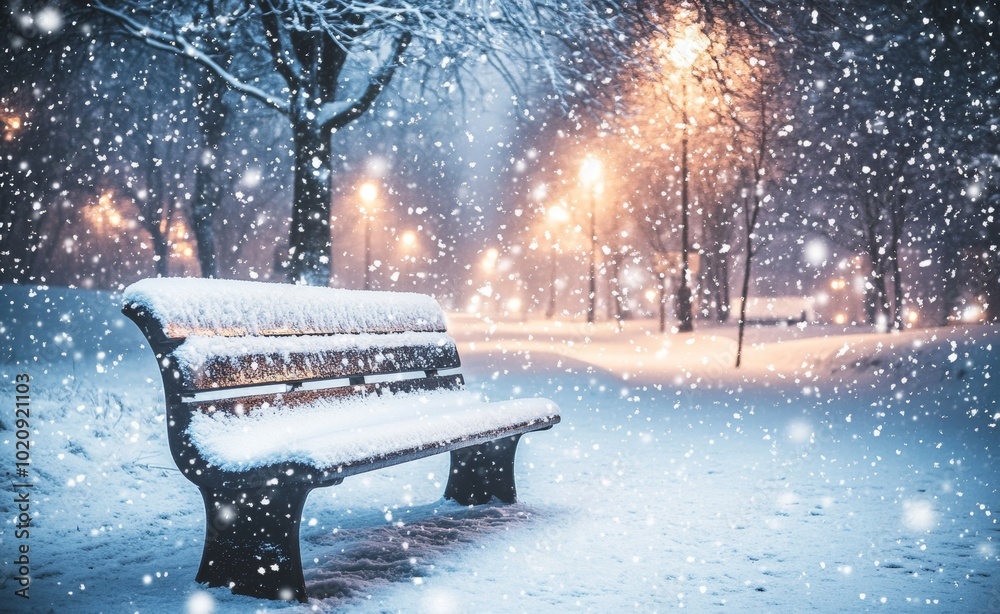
x,y
840,470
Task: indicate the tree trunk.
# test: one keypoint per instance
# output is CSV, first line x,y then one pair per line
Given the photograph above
x,y
662,289
896,232
162,260
616,290
206,188
206,200
684,316
878,296
309,247
744,296
897,291
722,295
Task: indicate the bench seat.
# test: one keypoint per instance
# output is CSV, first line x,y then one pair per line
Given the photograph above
x,y
348,435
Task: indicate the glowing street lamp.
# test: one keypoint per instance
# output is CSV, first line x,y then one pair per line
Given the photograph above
x,y
490,259
368,192
683,55
591,172
408,239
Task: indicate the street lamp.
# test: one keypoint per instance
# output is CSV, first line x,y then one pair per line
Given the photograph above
x,y
590,177
682,55
557,217
368,192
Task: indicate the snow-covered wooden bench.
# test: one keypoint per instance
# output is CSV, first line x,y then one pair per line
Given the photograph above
x,y
273,390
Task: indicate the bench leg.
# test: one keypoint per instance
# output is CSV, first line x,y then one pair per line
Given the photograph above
x,y
252,542
480,473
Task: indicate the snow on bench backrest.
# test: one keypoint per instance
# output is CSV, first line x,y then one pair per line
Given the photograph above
x,y
211,307
213,362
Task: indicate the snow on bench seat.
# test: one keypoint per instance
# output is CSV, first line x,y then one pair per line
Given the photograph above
x,y
335,433
215,307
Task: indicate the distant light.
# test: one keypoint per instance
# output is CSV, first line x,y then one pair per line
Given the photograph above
x,y
408,238
558,214
838,284
840,318
688,45
514,305
591,171
368,191
912,317
650,296
490,258
972,313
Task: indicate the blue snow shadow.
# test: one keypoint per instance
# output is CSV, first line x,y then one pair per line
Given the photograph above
x,y
373,553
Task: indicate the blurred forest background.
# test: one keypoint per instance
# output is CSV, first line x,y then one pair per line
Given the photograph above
x,y
846,151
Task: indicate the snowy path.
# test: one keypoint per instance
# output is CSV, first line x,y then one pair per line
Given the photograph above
x,y
846,490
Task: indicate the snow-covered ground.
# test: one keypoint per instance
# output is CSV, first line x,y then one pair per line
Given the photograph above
x,y
839,470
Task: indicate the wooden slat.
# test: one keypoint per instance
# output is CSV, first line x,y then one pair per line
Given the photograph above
x,y
267,360
246,405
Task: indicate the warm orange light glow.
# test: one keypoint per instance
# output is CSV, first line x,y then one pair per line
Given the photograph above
x,y
368,191
591,171
490,259
840,318
180,240
105,212
558,214
686,45
11,124
408,239
838,284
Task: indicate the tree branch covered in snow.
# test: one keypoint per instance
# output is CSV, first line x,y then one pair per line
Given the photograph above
x,y
324,65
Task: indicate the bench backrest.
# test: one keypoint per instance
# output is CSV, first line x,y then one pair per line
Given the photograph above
x,y
223,334
235,346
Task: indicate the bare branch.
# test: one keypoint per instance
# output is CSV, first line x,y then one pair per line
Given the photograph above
x,y
178,45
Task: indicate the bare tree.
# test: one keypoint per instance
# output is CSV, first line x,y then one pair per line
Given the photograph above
x,y
327,63
760,109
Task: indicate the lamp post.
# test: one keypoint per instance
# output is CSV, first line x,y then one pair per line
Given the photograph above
x,y
557,216
684,290
682,55
368,192
590,178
